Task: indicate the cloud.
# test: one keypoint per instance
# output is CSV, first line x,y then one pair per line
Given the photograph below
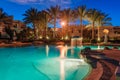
x,y
41,1
66,1
23,1
47,3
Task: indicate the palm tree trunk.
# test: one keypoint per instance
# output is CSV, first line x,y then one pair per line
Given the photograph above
x,y
93,31
34,32
81,31
46,31
67,28
54,33
98,33
81,28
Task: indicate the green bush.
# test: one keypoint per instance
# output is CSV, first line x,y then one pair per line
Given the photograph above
x,y
86,40
93,41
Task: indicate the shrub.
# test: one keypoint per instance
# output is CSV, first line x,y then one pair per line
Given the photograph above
x,y
106,48
115,47
86,40
93,41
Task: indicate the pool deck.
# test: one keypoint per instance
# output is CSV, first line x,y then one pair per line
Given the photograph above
x,y
15,44
107,66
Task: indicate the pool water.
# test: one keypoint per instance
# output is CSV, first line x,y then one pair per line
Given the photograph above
x,y
97,47
41,63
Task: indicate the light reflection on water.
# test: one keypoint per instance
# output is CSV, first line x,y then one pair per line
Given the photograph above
x,y
41,63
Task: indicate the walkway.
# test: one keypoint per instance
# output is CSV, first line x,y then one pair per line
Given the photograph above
x,y
107,62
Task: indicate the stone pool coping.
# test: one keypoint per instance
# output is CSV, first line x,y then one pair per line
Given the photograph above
x,y
106,68
18,44
15,44
35,43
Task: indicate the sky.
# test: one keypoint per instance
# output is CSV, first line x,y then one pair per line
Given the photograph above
x,y
18,7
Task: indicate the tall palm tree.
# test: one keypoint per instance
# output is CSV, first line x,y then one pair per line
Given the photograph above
x,y
67,15
92,16
5,18
3,15
44,19
102,20
82,11
106,20
99,24
31,17
54,13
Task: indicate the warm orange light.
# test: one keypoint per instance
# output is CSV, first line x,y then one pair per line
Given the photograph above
x,y
63,23
106,31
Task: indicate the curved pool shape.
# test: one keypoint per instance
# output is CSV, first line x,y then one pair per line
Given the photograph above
x,y
41,63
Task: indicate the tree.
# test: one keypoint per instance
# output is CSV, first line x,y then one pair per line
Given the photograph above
x,y
54,13
92,16
44,19
106,20
102,20
81,11
66,16
3,15
26,34
5,18
10,32
32,17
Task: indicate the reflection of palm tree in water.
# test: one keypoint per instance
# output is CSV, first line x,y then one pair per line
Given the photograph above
x,y
76,43
0,34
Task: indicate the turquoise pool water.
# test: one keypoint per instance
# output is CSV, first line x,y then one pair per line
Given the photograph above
x,y
97,47
41,63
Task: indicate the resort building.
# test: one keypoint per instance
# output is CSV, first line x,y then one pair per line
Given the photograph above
x,y
18,25
113,32
116,32
14,24
2,25
109,29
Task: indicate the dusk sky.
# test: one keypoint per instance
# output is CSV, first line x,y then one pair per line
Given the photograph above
x,y
18,7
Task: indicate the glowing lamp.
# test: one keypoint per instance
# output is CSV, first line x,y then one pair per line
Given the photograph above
x,y
40,37
106,31
63,23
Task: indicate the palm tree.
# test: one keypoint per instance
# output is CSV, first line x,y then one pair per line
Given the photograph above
x,y
3,15
31,17
44,19
81,14
5,18
102,20
99,23
54,13
92,16
106,20
66,16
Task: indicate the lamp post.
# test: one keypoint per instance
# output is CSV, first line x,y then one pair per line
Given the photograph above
x,y
105,31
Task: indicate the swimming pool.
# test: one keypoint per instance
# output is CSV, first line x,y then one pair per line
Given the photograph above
x,y
41,63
